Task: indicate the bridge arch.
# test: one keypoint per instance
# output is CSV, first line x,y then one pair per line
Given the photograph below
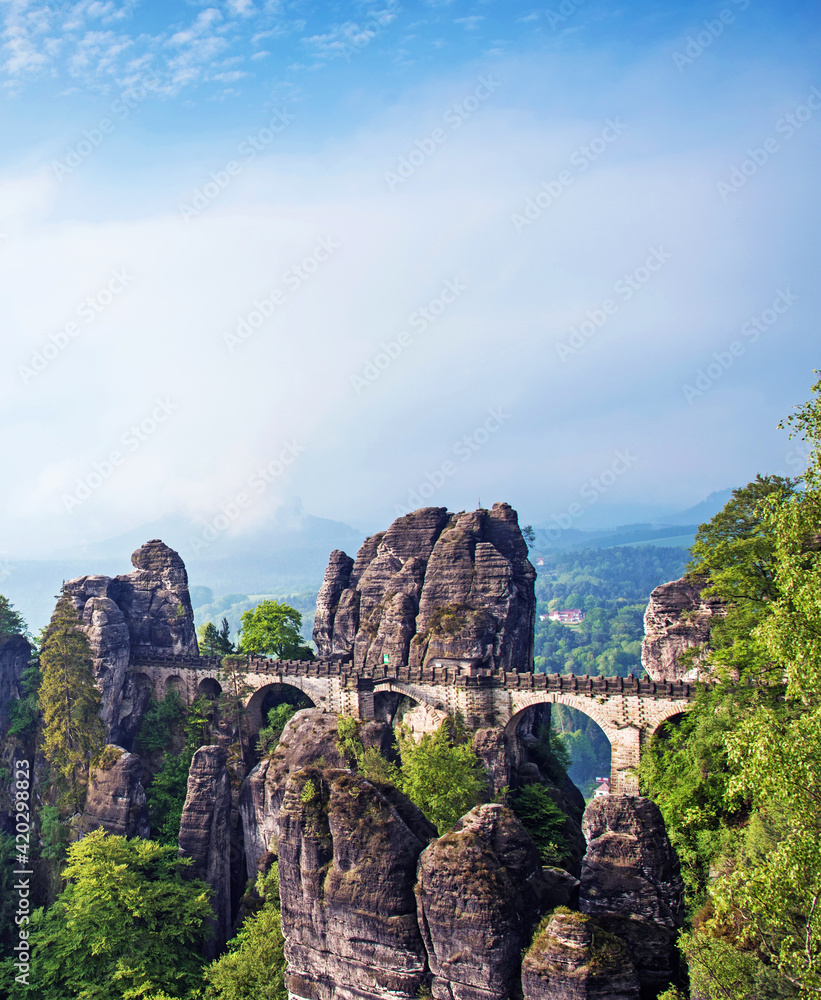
x,y
390,701
587,706
210,688
669,712
290,689
624,734
582,770
175,683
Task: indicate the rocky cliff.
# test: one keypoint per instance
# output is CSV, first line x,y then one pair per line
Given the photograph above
x,y
678,619
631,883
434,585
143,613
205,835
116,799
479,895
573,959
353,855
348,852
310,737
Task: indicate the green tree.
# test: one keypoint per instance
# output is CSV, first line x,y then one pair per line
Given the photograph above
x,y
73,732
215,641
441,775
739,781
159,722
270,733
544,821
11,621
24,713
253,968
234,696
167,791
771,893
272,629
127,924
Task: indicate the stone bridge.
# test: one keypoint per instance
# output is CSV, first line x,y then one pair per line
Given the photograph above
x,y
628,710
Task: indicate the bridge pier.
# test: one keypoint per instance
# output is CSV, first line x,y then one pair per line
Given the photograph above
x,y
357,698
625,755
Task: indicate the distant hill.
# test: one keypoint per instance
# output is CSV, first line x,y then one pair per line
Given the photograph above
x,y
669,530
288,555
702,511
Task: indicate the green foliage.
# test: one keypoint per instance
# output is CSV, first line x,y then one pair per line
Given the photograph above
x,y
166,797
735,553
611,586
791,634
24,713
73,732
587,745
347,740
551,754
772,887
253,968
166,794
309,792
443,777
720,971
607,642
158,722
544,821
739,780
272,629
272,730
607,577
126,925
215,641
53,836
376,768
440,773
235,692
368,761
11,621
8,897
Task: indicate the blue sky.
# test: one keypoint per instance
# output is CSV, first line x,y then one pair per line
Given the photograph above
x,y
564,256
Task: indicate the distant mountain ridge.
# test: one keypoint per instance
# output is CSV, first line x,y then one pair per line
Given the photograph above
x,y
289,553
662,529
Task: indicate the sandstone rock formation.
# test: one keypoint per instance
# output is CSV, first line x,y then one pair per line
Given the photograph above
x,y
205,835
631,883
143,613
15,651
116,798
434,585
572,959
310,737
677,619
348,852
512,758
479,894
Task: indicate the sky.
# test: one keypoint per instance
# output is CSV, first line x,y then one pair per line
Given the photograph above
x,y
375,257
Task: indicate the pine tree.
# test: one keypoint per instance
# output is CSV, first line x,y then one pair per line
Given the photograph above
x,y
11,621
73,732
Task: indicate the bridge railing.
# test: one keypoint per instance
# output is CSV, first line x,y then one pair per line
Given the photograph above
x,y
591,686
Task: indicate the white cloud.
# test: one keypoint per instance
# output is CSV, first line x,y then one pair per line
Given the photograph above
x,y
163,337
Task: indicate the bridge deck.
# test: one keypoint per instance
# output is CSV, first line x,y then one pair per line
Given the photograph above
x,y
597,685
